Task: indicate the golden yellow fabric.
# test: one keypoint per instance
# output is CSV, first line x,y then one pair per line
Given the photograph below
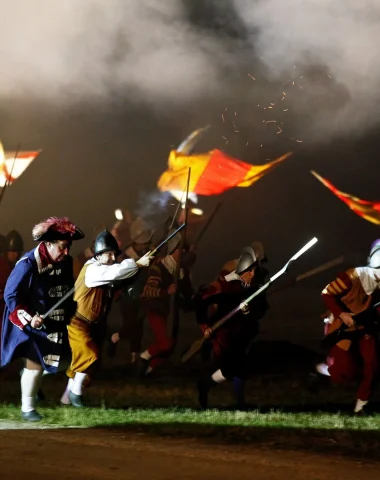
x,y
258,171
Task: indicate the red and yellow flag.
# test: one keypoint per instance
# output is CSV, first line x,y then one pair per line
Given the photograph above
x,y
13,164
212,173
370,211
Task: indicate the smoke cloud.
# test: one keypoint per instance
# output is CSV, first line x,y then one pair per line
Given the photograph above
x,y
343,35
176,51
74,50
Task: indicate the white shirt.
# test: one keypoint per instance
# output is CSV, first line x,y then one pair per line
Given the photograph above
x,y
98,274
369,278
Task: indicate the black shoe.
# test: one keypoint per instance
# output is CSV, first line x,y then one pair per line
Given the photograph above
x,y
76,400
32,416
203,390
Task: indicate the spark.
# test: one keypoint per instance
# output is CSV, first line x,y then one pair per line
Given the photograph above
x,y
273,104
237,131
225,109
235,114
286,109
246,144
233,123
225,138
299,141
329,76
253,78
279,130
226,142
271,121
223,117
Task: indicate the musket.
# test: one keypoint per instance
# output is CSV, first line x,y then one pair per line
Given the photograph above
x,y
365,319
196,346
310,273
208,223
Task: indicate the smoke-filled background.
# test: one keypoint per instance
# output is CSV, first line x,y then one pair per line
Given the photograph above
x,y
106,89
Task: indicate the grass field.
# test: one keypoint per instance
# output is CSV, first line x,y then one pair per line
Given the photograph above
x,y
285,412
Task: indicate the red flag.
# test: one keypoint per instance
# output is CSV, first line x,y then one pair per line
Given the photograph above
x,y
370,211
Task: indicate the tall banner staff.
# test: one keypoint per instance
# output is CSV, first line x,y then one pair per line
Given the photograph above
x,y
173,321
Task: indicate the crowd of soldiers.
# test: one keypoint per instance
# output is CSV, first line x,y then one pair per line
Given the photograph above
x,y
53,324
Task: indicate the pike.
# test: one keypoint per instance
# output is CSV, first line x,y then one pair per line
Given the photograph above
x,y
173,321
196,346
310,273
207,224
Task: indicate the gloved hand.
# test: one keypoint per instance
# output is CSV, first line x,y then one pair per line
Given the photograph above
x,y
244,308
145,260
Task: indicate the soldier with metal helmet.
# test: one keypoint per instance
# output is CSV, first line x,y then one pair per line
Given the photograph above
x,y
231,342
93,294
12,246
354,356
39,280
131,312
155,298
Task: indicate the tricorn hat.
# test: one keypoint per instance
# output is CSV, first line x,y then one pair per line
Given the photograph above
x,y
56,228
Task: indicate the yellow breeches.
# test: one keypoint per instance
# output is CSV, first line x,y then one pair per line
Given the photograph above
x,y
85,342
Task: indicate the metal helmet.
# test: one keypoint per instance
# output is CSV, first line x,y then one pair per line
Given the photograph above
x,y
374,254
14,242
246,261
174,242
105,242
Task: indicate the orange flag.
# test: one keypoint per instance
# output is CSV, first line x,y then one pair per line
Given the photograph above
x,y
370,211
212,173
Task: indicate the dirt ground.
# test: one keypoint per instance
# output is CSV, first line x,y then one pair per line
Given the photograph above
x,y
110,454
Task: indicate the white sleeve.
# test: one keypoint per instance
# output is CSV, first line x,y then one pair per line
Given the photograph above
x,y
97,275
369,278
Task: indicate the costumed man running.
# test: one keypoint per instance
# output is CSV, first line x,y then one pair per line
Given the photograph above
x,y
355,356
155,298
132,314
93,294
40,278
231,341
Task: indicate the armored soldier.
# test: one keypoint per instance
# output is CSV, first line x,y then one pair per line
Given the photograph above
x,y
93,295
132,314
156,297
355,355
231,342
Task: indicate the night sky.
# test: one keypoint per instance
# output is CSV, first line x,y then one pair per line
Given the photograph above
x,y
100,154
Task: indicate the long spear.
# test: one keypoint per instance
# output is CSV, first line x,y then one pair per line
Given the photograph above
x,y
208,223
173,322
196,346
